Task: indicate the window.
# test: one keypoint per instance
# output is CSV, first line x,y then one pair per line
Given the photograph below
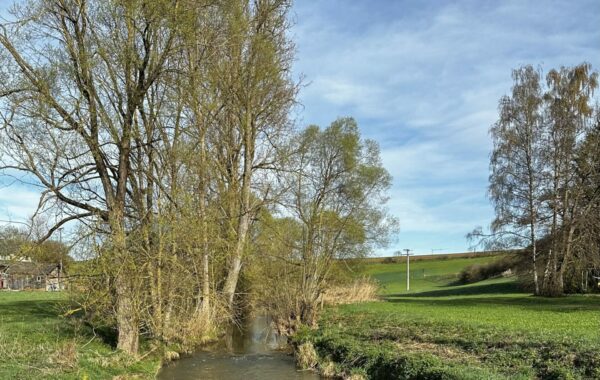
x,y
39,278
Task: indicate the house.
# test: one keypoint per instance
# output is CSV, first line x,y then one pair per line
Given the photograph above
x,y
21,275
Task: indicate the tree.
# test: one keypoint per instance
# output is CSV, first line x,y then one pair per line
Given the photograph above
x,y
77,74
336,193
569,117
256,93
154,125
543,172
516,166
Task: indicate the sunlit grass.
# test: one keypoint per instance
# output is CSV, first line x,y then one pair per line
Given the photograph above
x,y
36,342
488,329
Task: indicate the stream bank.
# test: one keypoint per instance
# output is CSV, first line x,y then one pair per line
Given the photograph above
x,y
251,351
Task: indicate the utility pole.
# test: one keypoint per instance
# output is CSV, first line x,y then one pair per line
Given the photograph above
x,y
407,268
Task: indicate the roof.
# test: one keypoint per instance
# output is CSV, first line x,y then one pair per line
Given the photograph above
x,y
24,267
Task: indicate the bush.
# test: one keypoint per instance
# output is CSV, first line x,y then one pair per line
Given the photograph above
x,y
476,273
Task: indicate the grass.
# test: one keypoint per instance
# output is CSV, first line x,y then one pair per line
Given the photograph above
x,y
37,343
440,330
425,275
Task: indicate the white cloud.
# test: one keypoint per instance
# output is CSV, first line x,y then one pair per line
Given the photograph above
x,y
424,79
17,203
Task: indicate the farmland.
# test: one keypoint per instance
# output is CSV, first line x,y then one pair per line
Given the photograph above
x,y
442,330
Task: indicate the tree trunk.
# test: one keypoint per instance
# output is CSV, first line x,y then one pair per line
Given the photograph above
x,y
205,283
236,262
565,260
128,340
535,271
244,218
546,281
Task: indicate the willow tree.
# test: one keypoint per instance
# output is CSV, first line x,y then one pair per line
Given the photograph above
x,y
255,95
75,75
336,193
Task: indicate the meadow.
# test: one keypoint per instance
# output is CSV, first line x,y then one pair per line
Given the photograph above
x,y
441,330
37,342
438,330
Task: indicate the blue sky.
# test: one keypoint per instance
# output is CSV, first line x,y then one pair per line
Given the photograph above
x,y
423,78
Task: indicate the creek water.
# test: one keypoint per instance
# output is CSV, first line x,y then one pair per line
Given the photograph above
x,y
252,351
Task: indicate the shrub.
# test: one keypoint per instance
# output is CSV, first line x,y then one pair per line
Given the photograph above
x,y
480,272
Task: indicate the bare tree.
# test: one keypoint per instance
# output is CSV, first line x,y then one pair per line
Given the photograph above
x,y
542,172
569,116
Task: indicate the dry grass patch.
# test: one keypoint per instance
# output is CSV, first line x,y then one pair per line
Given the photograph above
x,y
439,350
361,290
306,356
170,356
65,356
329,370
355,376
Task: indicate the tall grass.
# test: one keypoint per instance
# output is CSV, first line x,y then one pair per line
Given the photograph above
x,y
363,289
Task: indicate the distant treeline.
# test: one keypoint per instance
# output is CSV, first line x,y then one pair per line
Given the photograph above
x,y
445,256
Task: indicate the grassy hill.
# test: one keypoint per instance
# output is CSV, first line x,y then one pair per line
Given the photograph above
x,y
440,330
425,275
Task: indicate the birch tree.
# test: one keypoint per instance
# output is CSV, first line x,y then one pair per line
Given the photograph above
x,y
516,166
543,169
569,116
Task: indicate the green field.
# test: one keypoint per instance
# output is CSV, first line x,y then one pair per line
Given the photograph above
x,y
426,275
37,343
440,330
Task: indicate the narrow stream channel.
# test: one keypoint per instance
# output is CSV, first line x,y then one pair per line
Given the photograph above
x,y
251,352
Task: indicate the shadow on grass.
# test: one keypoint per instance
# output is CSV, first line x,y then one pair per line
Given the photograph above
x,y
496,294
465,290
35,311
564,305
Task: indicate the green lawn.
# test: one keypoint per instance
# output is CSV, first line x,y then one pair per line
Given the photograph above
x,y
37,343
441,330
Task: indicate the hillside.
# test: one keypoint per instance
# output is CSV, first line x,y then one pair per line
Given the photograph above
x,y
430,274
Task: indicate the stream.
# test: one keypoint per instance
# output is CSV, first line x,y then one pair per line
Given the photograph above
x,y
253,351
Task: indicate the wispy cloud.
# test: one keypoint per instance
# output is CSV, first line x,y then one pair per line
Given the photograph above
x,y
424,78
